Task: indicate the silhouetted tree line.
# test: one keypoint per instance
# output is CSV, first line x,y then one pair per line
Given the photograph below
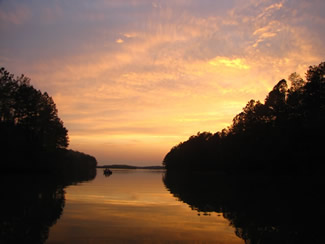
x,y
74,166
278,209
284,133
33,136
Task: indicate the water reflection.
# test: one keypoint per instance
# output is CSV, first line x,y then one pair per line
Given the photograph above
x,y
136,206
262,209
31,204
133,206
107,172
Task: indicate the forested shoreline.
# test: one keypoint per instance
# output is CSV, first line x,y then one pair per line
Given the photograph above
x,y
283,134
33,137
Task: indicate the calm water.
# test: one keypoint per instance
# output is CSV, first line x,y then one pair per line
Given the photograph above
x,y
142,206
134,206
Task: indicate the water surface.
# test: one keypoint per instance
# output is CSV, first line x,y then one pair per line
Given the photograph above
x,y
134,206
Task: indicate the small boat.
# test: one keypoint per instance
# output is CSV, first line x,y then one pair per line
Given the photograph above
x,y
107,172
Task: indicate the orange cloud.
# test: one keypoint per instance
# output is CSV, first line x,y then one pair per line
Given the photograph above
x,y
119,41
233,63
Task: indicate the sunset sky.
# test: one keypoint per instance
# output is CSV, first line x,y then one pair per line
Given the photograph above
x,y
132,78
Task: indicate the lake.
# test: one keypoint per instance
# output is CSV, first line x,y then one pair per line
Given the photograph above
x,y
134,206
155,206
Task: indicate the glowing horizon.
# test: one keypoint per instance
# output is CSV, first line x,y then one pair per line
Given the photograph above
x,y
133,78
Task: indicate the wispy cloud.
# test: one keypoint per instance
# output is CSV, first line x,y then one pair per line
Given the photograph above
x,y
17,15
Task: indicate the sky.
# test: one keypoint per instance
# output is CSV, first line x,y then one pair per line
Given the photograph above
x,y
133,78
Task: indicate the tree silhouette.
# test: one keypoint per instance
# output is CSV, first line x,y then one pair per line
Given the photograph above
x,y
30,112
32,134
281,134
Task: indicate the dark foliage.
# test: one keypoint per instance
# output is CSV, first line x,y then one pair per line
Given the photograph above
x,y
74,166
33,137
285,133
28,118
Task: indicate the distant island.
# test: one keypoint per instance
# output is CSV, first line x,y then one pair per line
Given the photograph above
x,y
285,134
123,166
